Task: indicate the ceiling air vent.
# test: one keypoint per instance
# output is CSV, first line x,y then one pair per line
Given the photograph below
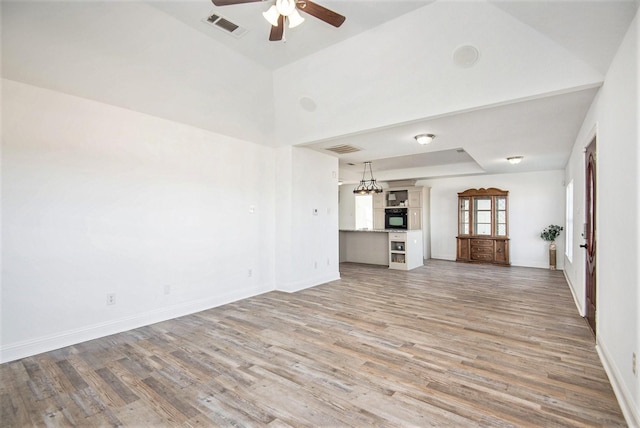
x,y
345,148
223,24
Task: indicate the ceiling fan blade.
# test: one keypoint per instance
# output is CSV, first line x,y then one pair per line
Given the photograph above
x,y
232,2
321,12
277,32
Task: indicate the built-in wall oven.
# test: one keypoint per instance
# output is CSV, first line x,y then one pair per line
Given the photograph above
x,y
395,218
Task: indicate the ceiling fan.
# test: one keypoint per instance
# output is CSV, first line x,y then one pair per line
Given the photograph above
x,y
287,10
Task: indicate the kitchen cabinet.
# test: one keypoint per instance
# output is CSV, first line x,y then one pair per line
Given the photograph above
x,y
414,218
398,250
405,250
378,201
415,198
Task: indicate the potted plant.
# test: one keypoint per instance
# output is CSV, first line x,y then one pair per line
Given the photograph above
x,y
550,234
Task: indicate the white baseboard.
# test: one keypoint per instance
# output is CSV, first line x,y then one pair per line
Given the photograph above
x,y
443,257
294,286
581,309
630,410
15,351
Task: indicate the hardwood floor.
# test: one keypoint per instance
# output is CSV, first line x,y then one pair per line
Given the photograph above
x,y
447,344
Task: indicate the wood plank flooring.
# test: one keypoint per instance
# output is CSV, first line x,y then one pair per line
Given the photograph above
x,y
447,344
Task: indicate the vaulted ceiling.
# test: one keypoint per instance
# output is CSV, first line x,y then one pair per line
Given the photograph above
x,y
394,69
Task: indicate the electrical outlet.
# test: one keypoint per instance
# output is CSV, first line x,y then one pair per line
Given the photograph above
x,y
167,288
250,273
634,362
315,265
111,299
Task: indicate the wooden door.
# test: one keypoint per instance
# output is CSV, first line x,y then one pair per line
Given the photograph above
x,y
590,233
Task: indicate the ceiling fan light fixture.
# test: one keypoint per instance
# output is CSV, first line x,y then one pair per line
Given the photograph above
x,y
424,138
295,19
286,7
514,160
281,11
272,15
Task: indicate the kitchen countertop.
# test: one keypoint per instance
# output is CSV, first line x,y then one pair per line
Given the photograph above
x,y
375,230
396,248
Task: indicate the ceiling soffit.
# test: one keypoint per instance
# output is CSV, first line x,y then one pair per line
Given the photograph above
x,y
375,80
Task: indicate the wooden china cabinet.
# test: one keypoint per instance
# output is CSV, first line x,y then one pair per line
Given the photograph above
x,y
483,228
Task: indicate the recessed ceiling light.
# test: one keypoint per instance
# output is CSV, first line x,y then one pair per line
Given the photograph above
x,y
513,160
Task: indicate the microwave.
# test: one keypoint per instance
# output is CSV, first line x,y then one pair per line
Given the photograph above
x,y
395,218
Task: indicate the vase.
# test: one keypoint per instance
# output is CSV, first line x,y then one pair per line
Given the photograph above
x,y
552,255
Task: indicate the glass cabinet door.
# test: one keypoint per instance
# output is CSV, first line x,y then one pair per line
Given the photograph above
x,y
464,216
501,216
482,216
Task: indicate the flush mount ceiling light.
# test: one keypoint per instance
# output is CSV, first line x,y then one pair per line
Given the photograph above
x,y
514,160
367,187
424,138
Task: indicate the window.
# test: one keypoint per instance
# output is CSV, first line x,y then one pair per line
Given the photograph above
x,y
364,212
569,222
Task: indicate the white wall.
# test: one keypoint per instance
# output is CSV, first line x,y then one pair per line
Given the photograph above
x,y
613,117
98,199
347,207
171,219
307,221
536,200
575,269
134,55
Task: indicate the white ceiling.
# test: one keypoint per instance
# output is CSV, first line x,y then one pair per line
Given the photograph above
x,y
384,76
311,36
542,130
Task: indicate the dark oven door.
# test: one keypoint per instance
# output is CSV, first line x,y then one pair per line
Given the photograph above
x,y
395,218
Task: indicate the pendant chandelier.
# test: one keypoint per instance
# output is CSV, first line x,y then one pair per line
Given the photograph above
x,y
367,187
